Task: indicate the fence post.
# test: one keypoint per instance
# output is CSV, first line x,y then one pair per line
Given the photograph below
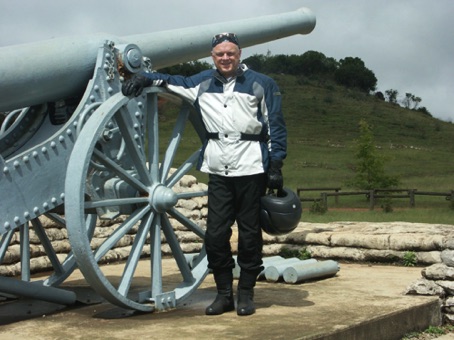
x,y
411,192
371,199
324,200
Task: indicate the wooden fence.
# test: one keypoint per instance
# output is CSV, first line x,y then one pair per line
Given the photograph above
x,y
372,195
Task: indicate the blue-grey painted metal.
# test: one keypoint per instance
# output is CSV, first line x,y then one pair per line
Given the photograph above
x,y
54,69
274,272
151,199
303,271
55,153
36,291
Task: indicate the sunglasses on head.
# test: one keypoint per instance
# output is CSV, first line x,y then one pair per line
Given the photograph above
x,y
221,37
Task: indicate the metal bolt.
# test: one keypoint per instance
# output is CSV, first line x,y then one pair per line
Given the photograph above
x,y
134,57
107,135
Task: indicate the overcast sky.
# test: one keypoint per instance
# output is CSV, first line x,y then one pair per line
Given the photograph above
x,y
408,44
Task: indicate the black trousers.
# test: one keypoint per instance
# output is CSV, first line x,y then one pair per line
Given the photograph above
x,y
233,199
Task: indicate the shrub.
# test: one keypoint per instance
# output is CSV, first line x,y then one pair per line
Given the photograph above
x,y
318,207
409,259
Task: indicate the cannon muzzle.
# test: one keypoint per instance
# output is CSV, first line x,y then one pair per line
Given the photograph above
x,y
57,69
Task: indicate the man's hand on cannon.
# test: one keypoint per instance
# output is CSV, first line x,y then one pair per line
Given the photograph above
x,y
135,85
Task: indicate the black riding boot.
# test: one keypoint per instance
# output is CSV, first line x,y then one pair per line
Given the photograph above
x,y
246,286
245,302
224,301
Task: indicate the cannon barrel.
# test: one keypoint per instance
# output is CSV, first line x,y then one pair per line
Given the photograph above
x,y
60,68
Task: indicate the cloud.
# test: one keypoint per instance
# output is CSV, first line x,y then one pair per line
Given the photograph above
x,y
406,43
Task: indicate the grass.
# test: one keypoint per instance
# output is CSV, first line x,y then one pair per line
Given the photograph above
x,y
434,215
322,120
432,332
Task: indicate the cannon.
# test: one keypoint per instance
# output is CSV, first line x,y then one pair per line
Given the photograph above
x,y
74,150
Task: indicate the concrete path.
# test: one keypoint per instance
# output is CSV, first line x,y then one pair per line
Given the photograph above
x,y
361,302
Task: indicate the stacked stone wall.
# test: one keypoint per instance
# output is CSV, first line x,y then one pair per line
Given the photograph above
x,y
343,241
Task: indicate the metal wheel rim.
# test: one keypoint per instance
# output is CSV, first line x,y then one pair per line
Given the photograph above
x,y
151,212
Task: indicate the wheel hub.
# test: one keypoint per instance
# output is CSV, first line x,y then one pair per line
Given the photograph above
x,y
162,198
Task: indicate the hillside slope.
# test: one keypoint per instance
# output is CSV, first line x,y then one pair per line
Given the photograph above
x,y
322,120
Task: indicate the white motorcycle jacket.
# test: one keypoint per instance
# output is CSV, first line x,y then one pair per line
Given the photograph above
x,y
242,116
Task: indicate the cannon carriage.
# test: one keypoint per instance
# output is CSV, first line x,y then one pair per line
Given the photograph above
x,y
73,149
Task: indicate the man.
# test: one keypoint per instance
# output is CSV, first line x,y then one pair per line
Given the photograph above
x,y
243,154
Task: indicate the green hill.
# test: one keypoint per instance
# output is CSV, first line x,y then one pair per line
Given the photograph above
x,y
323,118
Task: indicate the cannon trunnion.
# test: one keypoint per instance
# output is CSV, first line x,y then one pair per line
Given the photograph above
x,y
73,149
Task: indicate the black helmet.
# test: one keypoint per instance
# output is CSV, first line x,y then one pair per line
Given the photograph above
x,y
280,213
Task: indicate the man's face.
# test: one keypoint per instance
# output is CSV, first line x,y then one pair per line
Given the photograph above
x,y
226,57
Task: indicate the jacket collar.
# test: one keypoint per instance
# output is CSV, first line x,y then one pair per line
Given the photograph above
x,y
239,73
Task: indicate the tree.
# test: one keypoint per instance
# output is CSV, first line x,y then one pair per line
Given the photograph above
x,y
411,101
256,62
352,72
369,169
188,68
315,63
392,95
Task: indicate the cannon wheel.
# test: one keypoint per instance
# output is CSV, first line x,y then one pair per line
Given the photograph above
x,y
150,204
61,268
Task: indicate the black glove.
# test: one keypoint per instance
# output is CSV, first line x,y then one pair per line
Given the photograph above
x,y
135,85
275,179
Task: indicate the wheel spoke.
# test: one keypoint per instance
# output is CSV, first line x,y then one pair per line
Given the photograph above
x,y
174,142
120,232
119,171
134,255
115,202
47,245
183,169
188,195
187,222
130,137
4,243
156,258
57,219
25,251
152,136
177,252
